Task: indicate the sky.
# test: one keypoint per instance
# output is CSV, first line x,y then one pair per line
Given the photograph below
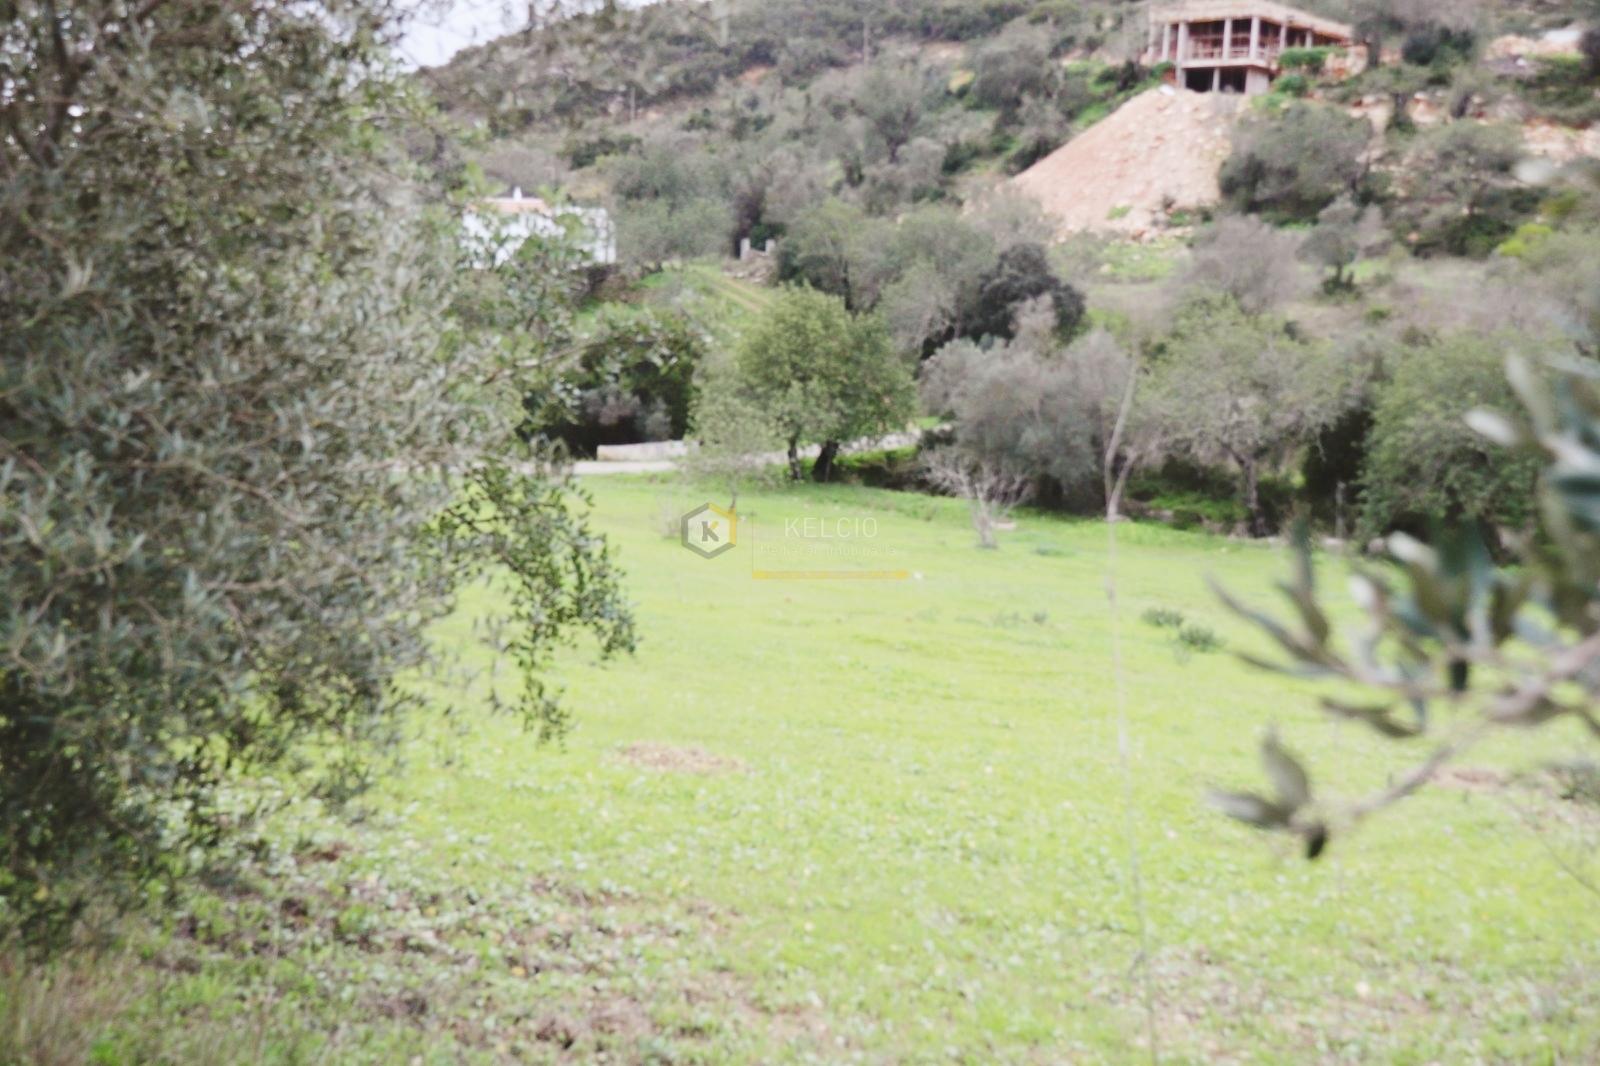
x,y
444,27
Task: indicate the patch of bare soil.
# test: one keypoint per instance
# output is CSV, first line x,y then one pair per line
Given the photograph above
x,y
1562,42
673,758
1157,153
1472,779
531,970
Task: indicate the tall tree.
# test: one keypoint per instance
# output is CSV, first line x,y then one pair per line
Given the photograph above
x,y
1244,389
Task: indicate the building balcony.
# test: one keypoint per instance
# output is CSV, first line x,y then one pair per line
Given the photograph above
x,y
1218,57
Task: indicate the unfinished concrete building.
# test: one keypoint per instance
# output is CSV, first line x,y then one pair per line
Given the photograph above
x,y
1234,45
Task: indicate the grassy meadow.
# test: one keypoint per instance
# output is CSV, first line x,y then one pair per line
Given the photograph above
x,y
876,820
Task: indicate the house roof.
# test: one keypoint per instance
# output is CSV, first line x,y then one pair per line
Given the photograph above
x,y
1216,10
517,204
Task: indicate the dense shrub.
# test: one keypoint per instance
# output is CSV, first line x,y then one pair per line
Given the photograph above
x,y
588,151
1423,462
1308,60
1437,46
1023,273
1188,495
1563,88
1292,85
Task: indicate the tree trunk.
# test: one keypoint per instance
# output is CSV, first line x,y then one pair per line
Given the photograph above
x,y
795,473
1252,498
1372,43
823,470
1401,106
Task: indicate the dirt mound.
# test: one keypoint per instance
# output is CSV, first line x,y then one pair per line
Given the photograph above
x,y
1159,151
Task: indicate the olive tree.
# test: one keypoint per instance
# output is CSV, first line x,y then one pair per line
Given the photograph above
x,y
991,488
837,248
942,260
248,448
1057,416
825,376
1290,165
1462,195
892,100
1249,260
1243,389
1343,234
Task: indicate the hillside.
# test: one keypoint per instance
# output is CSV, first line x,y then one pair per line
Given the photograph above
x,y
702,125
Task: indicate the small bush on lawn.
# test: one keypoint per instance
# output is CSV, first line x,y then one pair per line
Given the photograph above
x,y
1163,618
1196,637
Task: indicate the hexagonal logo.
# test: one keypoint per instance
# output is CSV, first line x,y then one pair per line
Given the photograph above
x,y
709,530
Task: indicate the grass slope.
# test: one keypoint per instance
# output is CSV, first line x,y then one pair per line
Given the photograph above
x,y
864,820
721,305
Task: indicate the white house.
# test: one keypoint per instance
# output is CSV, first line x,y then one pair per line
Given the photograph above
x,y
495,233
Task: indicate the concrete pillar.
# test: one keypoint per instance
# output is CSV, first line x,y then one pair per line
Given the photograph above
x,y
1183,48
1166,42
1216,79
1227,38
1283,36
1255,35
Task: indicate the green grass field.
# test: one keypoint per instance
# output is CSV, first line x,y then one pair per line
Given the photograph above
x,y
835,820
